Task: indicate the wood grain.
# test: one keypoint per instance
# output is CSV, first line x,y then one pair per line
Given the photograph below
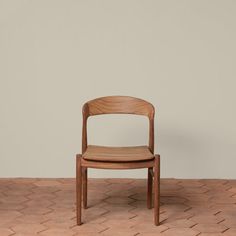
x,y
118,157
117,165
84,185
78,188
117,154
149,188
157,190
118,105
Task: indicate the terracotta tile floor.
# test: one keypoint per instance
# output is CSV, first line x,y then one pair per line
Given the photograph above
x,y
117,207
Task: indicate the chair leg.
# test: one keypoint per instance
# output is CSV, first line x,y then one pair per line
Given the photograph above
x,y
157,190
85,183
149,189
78,188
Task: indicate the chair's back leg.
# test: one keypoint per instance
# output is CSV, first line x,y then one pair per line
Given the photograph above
x,y
78,188
149,188
85,188
157,190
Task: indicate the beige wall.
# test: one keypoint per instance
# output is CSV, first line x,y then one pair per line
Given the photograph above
x,y
179,55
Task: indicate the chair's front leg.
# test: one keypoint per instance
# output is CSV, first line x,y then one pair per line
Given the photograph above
x,y
85,183
78,188
149,188
157,189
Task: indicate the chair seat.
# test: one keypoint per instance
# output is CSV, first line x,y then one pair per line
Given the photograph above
x,y
117,154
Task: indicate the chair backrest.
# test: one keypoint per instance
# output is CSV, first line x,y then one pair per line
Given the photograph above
x,y
118,105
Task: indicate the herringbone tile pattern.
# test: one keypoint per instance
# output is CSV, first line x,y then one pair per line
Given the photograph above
x,y
46,207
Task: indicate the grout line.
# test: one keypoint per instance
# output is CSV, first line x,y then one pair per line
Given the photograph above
x,y
193,225
103,230
225,230
164,229
136,234
220,221
217,213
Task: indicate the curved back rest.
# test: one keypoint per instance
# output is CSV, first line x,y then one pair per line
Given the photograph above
x,y
118,105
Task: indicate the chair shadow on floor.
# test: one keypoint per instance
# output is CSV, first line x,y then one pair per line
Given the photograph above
x,y
180,199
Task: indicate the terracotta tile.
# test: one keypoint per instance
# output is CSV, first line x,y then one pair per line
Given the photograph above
x,y
28,228
18,186
93,214
87,234
11,206
55,207
110,232
194,190
141,205
224,206
228,214
231,183
3,189
64,193
25,234
95,197
230,232
35,210
41,195
206,219
175,207
197,199
217,193
47,183
180,232
210,228
149,234
177,215
31,218
148,227
119,200
139,196
47,189
223,199
118,181
92,220
6,217
24,181
229,222
17,192
57,232
139,183
6,232
55,223
118,225
119,213
202,210
212,234
213,182
117,207
6,181
89,228
13,199
98,184
60,215
189,183
173,200
44,203
179,223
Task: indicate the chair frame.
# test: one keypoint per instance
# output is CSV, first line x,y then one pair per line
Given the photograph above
x,y
118,105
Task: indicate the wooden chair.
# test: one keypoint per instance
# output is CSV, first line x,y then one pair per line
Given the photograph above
x,y
118,157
